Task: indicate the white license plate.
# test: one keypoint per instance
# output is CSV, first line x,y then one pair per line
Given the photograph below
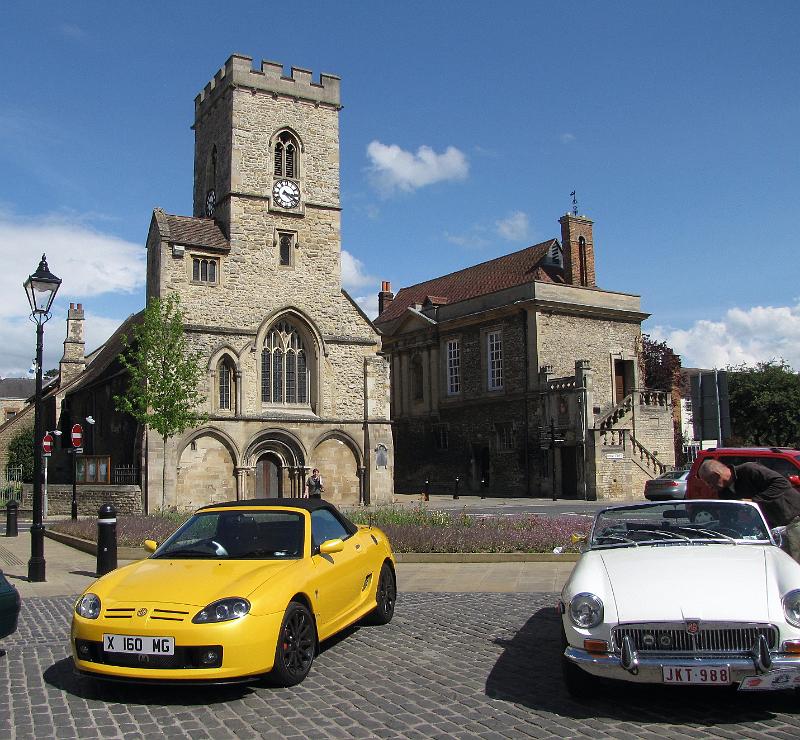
x,y
720,676
139,645
774,681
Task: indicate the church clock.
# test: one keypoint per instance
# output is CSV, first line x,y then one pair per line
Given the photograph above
x,y
286,193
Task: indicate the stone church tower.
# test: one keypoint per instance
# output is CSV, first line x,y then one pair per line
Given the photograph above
x,y
294,376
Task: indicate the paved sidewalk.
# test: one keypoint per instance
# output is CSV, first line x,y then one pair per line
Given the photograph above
x,y
70,571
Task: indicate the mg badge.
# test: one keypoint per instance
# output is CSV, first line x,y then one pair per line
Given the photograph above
x,y
692,626
141,612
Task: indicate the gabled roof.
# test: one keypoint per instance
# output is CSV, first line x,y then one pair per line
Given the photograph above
x,y
503,272
106,354
17,387
190,231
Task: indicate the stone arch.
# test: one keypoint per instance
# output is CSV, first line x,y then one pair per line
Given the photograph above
x,y
225,354
206,471
278,460
339,459
295,316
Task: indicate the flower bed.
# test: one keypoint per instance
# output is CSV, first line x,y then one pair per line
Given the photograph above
x,y
410,530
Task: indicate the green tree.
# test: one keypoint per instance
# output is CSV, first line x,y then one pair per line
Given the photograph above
x,y
163,375
764,400
20,452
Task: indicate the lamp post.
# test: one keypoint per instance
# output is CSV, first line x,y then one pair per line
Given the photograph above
x,y
41,288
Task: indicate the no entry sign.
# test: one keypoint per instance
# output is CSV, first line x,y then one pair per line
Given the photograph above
x,y
47,443
77,435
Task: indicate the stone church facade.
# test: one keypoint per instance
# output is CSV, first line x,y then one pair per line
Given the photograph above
x,y
519,376
293,374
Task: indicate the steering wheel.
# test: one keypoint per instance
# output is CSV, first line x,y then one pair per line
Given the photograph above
x,y
221,551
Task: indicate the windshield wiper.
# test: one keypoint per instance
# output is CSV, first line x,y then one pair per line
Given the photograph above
x,y
660,532
711,533
624,540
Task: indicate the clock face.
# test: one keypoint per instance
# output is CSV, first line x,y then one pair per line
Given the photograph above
x,y
211,202
286,193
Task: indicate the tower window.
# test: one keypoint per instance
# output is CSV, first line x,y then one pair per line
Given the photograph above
x,y
494,357
204,270
285,156
284,367
226,384
286,242
582,258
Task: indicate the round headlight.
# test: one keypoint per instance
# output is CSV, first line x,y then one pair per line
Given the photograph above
x,y
791,607
88,606
586,610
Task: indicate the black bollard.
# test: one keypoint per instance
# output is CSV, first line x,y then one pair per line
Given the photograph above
x,y
106,539
11,518
455,493
427,493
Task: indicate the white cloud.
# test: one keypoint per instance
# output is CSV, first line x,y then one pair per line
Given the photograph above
x,y
567,138
368,303
751,335
473,239
394,168
353,275
89,263
514,227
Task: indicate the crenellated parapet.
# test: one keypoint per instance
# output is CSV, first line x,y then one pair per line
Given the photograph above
x,y
239,72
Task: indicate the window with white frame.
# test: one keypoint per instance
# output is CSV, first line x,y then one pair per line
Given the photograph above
x,y
284,368
494,360
225,384
204,270
453,367
505,436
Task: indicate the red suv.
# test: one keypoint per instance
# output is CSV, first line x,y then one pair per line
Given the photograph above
x,y
783,460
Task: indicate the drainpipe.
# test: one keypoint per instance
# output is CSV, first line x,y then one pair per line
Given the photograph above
x,y
526,389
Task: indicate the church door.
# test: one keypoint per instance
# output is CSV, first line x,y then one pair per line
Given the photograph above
x,y
268,477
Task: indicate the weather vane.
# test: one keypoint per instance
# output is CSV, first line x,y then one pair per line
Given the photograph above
x,y
574,204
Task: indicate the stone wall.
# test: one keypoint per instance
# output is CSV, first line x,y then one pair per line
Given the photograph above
x,y
126,499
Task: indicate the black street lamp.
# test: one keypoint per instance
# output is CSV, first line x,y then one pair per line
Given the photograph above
x,y
41,288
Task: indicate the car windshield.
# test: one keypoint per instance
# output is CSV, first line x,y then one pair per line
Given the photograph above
x,y
237,535
673,475
679,523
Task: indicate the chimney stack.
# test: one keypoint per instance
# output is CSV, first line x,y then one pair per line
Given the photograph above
x,y
577,246
73,363
385,297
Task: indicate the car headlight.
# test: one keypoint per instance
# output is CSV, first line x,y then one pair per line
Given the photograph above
x,y
586,610
791,607
222,611
88,606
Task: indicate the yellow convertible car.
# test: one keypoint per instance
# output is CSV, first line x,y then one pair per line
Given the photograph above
x,y
242,590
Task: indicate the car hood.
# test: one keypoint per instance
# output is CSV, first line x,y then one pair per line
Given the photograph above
x,y
709,582
181,581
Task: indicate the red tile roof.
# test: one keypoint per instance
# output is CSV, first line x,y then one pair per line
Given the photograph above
x,y
507,271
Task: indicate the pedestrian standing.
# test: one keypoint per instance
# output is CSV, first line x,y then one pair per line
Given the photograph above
x,y
314,487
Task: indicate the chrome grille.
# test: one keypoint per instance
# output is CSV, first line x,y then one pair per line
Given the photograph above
x,y
710,639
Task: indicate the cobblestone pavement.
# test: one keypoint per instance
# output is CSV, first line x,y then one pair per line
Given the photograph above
x,y
449,665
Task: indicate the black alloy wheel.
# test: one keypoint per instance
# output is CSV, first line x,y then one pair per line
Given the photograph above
x,y
297,643
385,597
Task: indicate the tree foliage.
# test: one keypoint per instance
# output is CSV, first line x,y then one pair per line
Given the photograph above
x,y
764,400
20,452
163,374
660,364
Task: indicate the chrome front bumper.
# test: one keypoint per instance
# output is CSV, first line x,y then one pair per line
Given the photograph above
x,y
648,669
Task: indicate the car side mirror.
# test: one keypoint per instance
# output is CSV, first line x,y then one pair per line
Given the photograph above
x,y
331,546
150,545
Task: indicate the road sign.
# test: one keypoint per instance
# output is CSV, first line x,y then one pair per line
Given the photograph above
x,y
47,444
77,435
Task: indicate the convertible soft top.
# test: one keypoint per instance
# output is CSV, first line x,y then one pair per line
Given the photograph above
x,y
309,504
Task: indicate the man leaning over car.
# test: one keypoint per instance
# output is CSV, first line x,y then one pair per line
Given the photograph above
x,y
777,498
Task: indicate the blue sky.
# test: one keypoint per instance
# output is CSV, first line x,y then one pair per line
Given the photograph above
x,y
465,127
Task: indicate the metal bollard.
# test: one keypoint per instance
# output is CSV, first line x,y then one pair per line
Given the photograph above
x,y
12,508
426,494
455,493
106,539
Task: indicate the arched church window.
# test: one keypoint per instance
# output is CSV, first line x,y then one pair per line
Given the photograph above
x,y
226,384
284,366
285,152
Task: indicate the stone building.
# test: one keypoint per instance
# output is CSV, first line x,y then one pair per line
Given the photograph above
x,y
519,376
14,395
294,378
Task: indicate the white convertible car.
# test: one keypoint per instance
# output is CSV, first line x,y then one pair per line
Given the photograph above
x,y
694,593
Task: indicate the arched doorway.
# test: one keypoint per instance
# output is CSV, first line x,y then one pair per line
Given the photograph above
x,y
269,476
